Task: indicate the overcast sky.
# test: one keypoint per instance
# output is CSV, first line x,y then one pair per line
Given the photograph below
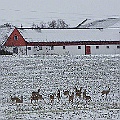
x,y
73,12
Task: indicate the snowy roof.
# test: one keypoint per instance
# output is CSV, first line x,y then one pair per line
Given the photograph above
x,y
57,35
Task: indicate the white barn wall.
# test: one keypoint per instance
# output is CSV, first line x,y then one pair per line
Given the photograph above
x,y
104,50
72,50
57,50
30,52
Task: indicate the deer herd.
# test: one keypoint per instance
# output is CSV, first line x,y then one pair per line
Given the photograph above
x,y
70,95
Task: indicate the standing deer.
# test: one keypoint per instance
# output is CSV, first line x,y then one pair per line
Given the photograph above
x,y
35,93
52,98
36,98
105,92
71,97
58,94
84,94
87,98
78,92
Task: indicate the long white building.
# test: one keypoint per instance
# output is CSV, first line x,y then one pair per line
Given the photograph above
x,y
63,41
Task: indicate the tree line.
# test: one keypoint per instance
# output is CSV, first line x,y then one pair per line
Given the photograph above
x,y
51,24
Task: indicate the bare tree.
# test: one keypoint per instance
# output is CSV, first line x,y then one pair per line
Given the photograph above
x,y
57,24
61,24
34,25
52,24
6,25
42,25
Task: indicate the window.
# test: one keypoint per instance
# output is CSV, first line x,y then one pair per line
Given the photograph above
x,y
15,50
118,47
52,47
63,47
29,48
79,47
40,47
35,46
107,46
15,37
97,47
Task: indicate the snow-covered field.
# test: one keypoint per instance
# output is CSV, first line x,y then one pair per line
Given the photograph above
x,y
20,75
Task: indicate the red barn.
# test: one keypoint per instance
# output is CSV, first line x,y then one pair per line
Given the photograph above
x,y
63,41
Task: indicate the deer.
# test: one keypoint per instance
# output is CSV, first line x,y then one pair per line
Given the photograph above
x,y
36,98
71,97
12,98
35,93
58,94
87,98
66,92
105,92
84,94
78,92
17,100
52,98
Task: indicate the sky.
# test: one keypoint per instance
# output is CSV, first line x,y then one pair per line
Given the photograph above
x,y
73,12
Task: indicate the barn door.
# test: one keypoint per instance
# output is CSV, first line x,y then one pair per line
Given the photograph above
x,y
87,50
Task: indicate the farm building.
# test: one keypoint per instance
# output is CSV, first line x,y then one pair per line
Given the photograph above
x,y
63,41
28,41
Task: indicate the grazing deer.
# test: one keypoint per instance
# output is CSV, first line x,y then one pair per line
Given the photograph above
x,y
87,98
105,92
17,100
35,93
12,98
36,98
52,98
71,97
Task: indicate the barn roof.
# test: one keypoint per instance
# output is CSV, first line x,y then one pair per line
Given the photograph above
x,y
58,35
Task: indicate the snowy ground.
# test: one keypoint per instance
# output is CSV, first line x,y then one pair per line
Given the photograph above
x,y
20,75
